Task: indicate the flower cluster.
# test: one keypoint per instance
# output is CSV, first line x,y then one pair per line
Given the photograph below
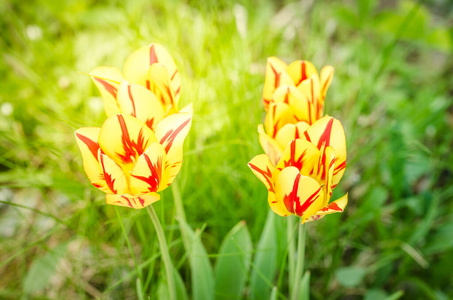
x,y
138,150
305,151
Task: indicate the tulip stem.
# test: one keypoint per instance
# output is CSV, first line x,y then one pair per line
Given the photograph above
x,y
129,246
291,250
164,252
300,261
178,201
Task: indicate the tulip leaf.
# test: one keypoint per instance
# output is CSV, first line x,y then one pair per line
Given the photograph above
x,y
265,261
201,270
42,269
233,263
181,293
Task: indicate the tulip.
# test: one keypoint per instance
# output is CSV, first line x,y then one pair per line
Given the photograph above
x,y
294,99
131,162
150,67
302,181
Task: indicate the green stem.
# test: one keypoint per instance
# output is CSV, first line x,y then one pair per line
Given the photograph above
x,y
291,250
178,201
300,261
164,252
129,246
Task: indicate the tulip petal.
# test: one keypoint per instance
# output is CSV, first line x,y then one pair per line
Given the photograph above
x,y
277,206
188,109
300,154
275,76
107,80
87,140
148,173
279,114
137,65
336,206
327,132
300,105
132,201
310,88
326,79
124,138
262,167
171,132
113,174
270,146
290,132
301,195
326,169
301,70
161,86
137,101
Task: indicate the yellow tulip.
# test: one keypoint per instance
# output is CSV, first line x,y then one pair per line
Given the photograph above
x,y
302,180
131,162
149,73
294,99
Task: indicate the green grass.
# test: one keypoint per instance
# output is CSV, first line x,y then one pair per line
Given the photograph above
x,y
392,90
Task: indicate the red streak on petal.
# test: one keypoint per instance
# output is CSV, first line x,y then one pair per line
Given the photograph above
x,y
307,136
178,90
292,201
174,74
108,177
108,87
172,101
286,100
96,185
171,135
92,145
131,149
156,170
128,201
150,123
142,201
292,162
339,168
148,85
301,209
334,206
277,77
266,174
303,73
134,114
324,140
152,56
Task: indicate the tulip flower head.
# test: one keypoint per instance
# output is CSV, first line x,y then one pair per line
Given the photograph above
x,y
150,67
302,181
293,97
129,161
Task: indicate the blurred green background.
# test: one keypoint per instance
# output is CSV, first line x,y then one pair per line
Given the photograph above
x,y
392,90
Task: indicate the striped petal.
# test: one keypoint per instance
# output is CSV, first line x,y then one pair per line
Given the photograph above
x,y
327,166
301,195
302,155
137,101
113,174
148,173
87,140
160,85
301,70
270,146
334,207
277,206
107,80
279,114
262,167
132,201
299,102
124,138
327,132
326,79
171,132
290,132
138,63
310,88
275,76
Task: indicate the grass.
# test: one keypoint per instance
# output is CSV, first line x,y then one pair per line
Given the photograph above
x,y
392,90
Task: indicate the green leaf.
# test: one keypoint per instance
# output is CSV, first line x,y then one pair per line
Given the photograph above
x,y
350,276
42,269
265,261
201,270
233,263
181,293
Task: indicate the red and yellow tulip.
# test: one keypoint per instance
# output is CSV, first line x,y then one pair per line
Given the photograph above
x,y
129,161
293,97
302,180
149,72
